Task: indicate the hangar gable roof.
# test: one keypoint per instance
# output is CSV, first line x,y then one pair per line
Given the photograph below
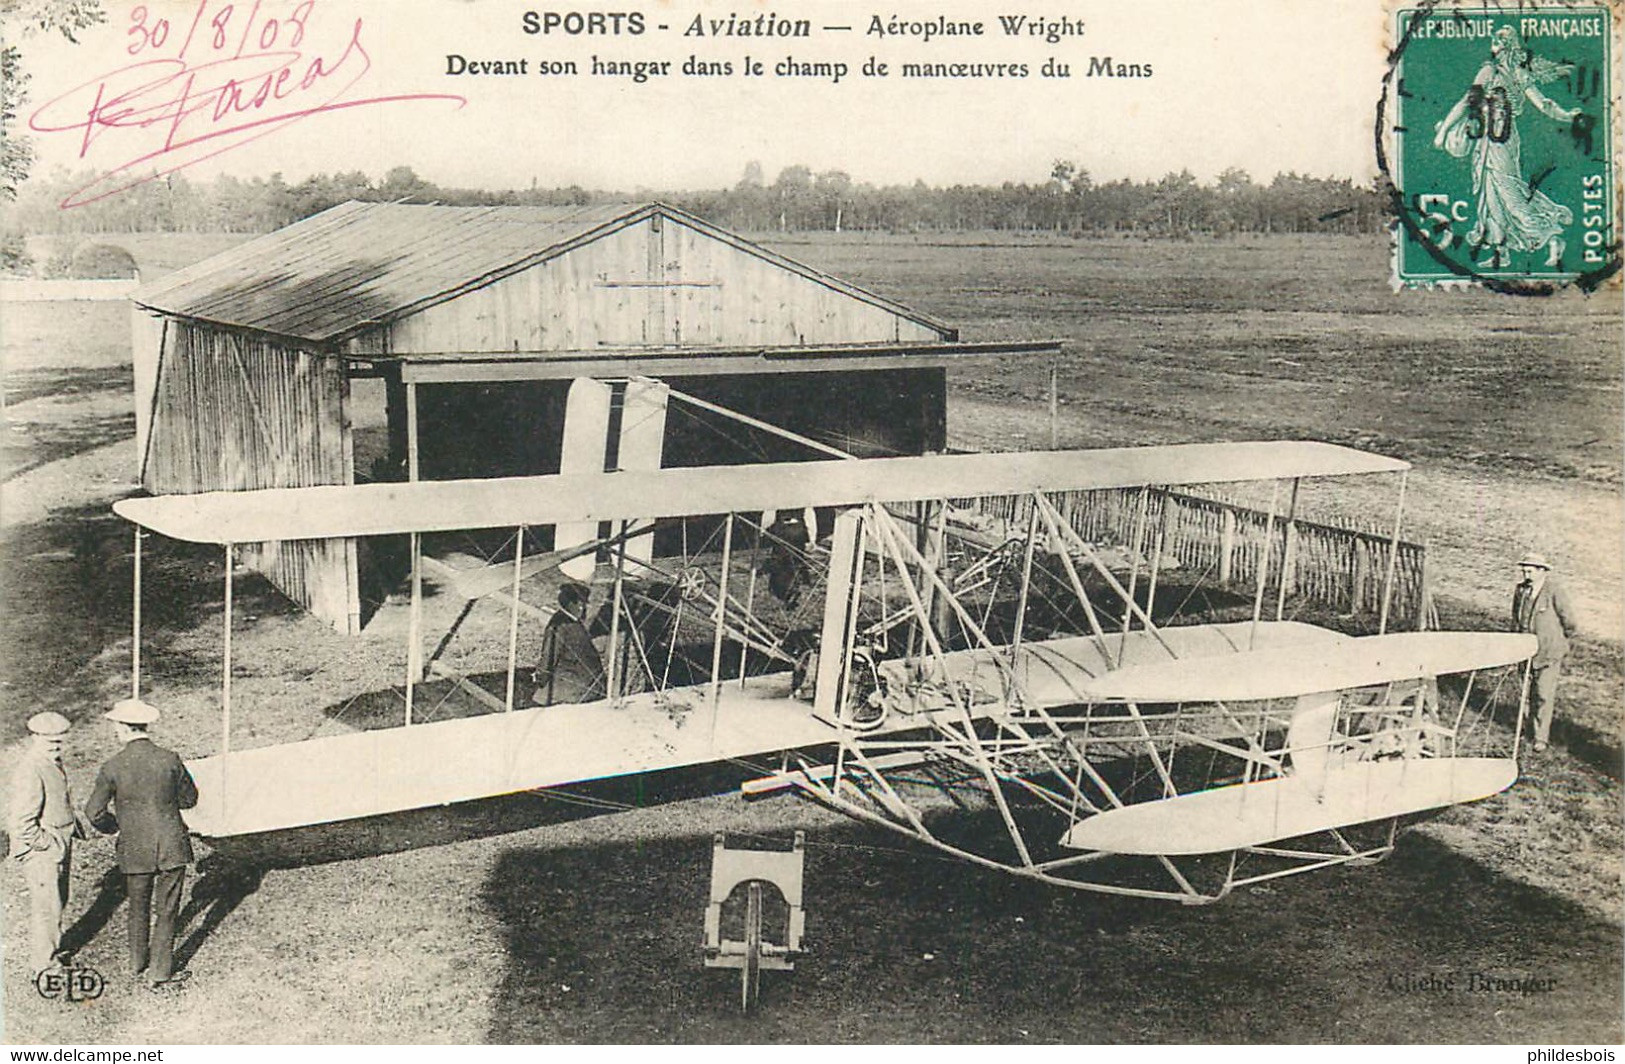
x,y
358,265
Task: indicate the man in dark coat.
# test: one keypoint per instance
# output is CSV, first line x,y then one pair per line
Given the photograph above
x,y
1541,606
787,566
569,669
148,787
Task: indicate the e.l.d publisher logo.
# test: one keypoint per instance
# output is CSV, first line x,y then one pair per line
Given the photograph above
x,y
73,982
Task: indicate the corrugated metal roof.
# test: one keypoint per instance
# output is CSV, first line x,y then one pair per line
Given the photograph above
x,y
353,266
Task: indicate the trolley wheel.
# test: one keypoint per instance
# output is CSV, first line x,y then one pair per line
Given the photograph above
x,y
750,976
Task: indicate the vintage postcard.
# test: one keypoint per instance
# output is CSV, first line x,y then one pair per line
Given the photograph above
x,y
693,522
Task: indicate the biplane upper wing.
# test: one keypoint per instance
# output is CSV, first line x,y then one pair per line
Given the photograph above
x,y
1274,671
451,505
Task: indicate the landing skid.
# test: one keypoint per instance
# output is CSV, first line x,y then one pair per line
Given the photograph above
x,y
1190,880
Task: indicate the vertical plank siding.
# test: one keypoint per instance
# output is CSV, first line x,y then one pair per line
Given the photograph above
x,y
146,348
234,412
1222,543
649,286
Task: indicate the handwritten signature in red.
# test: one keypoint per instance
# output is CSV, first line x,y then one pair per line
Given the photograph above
x,y
172,111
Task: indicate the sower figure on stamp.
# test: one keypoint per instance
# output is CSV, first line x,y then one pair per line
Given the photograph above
x,y
1512,214
42,824
1540,606
148,787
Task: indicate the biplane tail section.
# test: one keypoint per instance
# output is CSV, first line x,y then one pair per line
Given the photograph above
x,y
1310,733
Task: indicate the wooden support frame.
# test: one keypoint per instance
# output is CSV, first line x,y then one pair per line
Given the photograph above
x,y
135,617
612,680
1289,551
1393,555
225,685
414,645
513,616
1266,552
459,367
225,665
721,619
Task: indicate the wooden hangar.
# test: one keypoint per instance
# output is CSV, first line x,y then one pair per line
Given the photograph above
x,y
382,342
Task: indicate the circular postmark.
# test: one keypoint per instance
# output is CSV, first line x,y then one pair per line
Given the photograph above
x,y
1494,140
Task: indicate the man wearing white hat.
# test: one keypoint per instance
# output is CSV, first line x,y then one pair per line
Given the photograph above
x,y
42,825
1540,606
148,787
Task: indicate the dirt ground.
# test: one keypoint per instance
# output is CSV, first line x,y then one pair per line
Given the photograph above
x,y
576,918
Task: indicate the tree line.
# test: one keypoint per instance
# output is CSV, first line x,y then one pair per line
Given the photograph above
x,y
799,199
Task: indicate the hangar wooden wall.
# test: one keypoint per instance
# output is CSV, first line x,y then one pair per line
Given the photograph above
x,y
233,411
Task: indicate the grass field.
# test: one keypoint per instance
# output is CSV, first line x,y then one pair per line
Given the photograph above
x,y
1258,338
534,919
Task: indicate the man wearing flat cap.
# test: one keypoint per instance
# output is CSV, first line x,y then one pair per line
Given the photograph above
x,y
1540,606
42,824
148,787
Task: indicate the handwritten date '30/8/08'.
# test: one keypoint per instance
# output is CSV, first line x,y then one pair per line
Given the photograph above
x,y
201,86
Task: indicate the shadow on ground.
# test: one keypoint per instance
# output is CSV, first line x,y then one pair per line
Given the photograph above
x,y
212,895
67,582
603,946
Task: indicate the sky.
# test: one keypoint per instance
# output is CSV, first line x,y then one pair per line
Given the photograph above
x,y
1264,85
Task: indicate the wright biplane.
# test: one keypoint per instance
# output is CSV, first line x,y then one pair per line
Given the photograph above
x,y
934,642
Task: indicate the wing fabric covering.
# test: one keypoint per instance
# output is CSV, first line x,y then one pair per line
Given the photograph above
x,y
1251,814
1289,672
455,505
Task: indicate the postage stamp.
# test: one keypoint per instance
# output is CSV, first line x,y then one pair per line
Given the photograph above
x,y
1503,161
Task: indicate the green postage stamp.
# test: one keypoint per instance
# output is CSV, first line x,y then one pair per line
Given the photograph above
x,y
1502,137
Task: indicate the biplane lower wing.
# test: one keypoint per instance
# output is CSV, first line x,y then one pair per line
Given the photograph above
x,y
369,773
1252,814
